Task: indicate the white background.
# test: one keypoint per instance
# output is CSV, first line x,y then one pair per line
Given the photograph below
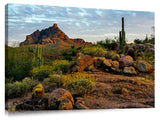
x,y
108,114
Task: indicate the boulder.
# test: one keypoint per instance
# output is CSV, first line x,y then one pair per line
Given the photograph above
x,y
115,64
112,55
107,63
91,68
84,61
143,66
126,48
98,61
38,91
125,61
129,70
130,52
66,104
116,46
115,57
60,99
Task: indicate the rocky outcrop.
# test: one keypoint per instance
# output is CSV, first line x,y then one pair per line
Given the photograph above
x,y
60,99
125,61
84,62
51,35
143,66
129,70
112,55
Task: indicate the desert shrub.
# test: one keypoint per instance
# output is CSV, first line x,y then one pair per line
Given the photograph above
x,y
52,82
8,80
80,87
69,53
61,65
96,51
76,76
18,89
138,41
18,63
41,72
107,43
148,57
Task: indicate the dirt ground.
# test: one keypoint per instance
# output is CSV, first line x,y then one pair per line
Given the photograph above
x,y
113,91
119,91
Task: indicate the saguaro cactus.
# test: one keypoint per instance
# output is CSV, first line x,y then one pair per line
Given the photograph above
x,y
38,56
122,37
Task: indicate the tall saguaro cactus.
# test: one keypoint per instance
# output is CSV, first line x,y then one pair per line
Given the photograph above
x,y
122,37
38,56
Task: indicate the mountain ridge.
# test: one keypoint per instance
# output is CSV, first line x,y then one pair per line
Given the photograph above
x,y
51,35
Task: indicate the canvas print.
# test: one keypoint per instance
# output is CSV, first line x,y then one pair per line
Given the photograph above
x,y
69,58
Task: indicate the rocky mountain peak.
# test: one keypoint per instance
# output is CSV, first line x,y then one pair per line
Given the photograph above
x,y
51,35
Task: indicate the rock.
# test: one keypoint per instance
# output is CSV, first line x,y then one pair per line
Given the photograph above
x,y
65,104
33,104
84,62
115,64
130,52
129,70
112,55
91,68
38,91
81,106
98,61
115,57
107,63
116,46
143,66
126,48
60,99
125,61
116,70
73,67
122,55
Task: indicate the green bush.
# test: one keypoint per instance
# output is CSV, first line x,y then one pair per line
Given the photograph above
x,y
18,89
61,66
53,79
107,43
81,87
52,82
18,63
94,51
41,72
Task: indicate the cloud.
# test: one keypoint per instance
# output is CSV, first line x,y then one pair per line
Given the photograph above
x,y
134,14
81,14
92,24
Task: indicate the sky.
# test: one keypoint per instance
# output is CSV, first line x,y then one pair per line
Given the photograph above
x,y
87,23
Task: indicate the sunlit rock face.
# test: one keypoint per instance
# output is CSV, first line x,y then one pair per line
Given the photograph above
x,y
51,35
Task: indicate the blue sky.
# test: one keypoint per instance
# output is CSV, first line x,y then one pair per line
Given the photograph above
x,y
90,24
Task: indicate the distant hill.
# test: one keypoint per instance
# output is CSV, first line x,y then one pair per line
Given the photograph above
x,y
54,36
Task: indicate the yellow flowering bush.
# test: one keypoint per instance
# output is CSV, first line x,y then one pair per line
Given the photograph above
x,y
79,83
41,72
61,65
96,51
76,76
80,87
